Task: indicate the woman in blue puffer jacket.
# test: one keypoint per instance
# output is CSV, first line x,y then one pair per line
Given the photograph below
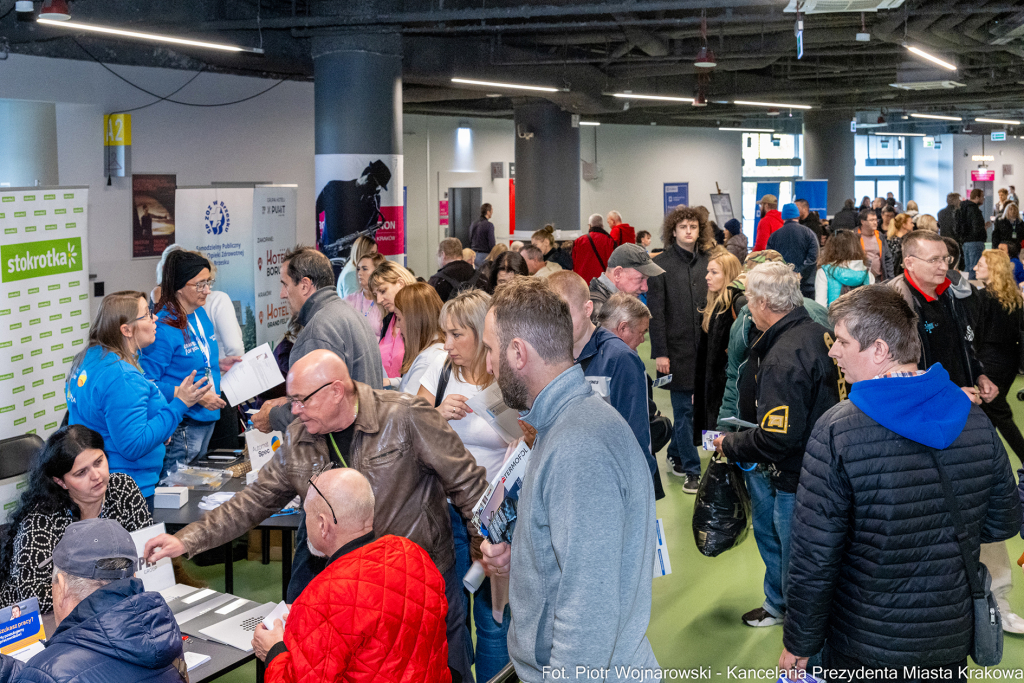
x,y
107,391
842,267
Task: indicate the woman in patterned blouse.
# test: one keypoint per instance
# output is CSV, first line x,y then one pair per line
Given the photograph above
x,y
68,482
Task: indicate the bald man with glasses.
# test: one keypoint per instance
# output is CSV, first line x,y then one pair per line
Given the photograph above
x,y
411,457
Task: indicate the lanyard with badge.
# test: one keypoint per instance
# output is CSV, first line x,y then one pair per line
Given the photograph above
x,y
203,344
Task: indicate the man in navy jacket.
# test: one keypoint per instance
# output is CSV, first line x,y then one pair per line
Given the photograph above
x,y
876,573
614,370
798,245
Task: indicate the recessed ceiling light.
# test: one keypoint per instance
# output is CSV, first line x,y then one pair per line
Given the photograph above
x,y
773,105
513,86
1009,122
936,117
664,98
931,58
748,130
156,37
590,123
900,135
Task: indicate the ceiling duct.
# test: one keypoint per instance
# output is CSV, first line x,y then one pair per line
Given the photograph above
x,y
832,6
917,77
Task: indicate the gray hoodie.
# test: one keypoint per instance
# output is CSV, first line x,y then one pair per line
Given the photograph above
x,y
583,551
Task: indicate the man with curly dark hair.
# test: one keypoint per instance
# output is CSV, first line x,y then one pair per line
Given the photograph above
x,y
675,299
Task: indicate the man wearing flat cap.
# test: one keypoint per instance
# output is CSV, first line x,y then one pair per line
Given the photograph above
x,y
629,266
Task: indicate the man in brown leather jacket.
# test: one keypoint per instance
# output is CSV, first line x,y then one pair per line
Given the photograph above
x,y
411,457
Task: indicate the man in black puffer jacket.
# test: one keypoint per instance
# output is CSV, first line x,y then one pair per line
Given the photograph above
x,y
876,574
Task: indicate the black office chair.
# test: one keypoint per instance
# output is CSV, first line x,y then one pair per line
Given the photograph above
x,y
16,454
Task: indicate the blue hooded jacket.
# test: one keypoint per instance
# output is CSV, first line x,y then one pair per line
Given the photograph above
x,y
928,409
169,359
119,633
111,397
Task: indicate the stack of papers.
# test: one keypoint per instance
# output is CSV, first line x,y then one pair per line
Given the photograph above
x,y
255,373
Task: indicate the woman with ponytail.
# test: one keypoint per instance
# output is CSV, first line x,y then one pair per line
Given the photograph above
x,y
108,393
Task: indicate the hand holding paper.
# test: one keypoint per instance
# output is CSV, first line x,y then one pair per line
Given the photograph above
x,y
255,373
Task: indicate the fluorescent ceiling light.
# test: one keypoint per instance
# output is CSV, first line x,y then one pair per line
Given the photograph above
x,y
750,130
936,117
147,36
513,86
590,123
931,58
1009,122
665,98
901,135
983,157
772,104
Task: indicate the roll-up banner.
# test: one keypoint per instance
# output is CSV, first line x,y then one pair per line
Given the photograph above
x,y
360,194
244,231
44,302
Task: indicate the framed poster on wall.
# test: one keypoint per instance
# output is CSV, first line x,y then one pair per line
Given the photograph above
x,y
676,194
152,213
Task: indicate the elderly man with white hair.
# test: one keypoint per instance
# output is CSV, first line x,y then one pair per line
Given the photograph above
x,y
343,624
789,381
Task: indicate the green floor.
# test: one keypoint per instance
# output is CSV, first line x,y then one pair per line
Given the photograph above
x,y
695,617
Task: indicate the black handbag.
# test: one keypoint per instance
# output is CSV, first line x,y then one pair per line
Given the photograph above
x,y
987,648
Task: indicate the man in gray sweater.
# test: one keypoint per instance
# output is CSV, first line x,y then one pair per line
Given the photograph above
x,y
328,322
581,562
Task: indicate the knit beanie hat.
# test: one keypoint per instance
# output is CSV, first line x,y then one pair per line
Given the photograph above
x,y
789,212
184,266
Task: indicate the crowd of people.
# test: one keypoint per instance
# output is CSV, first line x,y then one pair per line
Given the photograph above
x,y
858,370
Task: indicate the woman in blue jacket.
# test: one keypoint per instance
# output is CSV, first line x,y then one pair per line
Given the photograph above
x,y
185,345
107,392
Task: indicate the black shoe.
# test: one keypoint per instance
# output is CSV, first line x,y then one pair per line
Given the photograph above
x,y
691,484
677,468
760,617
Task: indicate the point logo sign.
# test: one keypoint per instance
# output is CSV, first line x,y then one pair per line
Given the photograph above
x,y
38,259
218,220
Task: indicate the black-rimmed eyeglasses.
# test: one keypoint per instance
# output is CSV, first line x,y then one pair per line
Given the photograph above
x,y
301,402
316,474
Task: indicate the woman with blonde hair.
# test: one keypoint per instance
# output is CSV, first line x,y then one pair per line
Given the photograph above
x,y
385,282
926,221
713,348
997,338
107,391
348,278
365,301
418,315
449,383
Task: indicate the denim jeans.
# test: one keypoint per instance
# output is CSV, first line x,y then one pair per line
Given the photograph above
x,y
762,508
188,442
972,252
458,635
681,449
491,637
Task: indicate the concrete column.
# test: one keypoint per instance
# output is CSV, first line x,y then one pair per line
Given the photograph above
x,y
547,167
357,80
829,153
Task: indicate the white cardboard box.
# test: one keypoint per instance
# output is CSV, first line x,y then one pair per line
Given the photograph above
x,y
173,497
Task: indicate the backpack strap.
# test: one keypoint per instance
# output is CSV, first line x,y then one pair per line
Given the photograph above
x,y
594,247
442,382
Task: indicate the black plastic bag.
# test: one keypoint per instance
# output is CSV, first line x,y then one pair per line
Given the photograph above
x,y
721,512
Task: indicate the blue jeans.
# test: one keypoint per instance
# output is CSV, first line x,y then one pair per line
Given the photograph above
x,y
972,252
491,637
188,442
772,513
681,449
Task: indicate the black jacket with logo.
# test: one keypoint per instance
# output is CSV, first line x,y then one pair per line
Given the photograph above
x,y
792,382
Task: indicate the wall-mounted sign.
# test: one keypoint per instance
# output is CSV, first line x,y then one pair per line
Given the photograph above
x,y
998,136
929,143
983,175
117,145
983,157
676,194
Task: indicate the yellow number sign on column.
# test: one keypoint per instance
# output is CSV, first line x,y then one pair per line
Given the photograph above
x,y
117,144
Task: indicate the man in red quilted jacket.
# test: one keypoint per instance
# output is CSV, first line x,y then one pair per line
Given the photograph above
x,y
376,613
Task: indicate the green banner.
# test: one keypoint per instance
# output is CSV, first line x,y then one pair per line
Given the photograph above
x,y
38,259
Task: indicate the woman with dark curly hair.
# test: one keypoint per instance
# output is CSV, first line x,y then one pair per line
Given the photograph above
x,y
68,482
676,299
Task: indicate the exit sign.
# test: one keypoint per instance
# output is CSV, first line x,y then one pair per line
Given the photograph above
x,y
999,136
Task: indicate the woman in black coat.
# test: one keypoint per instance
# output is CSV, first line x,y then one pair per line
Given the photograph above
x,y
676,299
1009,228
998,324
713,352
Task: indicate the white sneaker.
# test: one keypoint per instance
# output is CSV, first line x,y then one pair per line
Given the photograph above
x,y
1012,623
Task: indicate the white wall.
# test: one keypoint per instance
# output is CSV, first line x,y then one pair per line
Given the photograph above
x,y
1009,152
930,174
636,161
269,138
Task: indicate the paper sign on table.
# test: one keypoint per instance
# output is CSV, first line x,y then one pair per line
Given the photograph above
x,y
255,373
155,576
489,405
261,447
20,626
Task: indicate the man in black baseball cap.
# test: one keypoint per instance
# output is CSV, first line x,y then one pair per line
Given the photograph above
x,y
629,266
107,624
